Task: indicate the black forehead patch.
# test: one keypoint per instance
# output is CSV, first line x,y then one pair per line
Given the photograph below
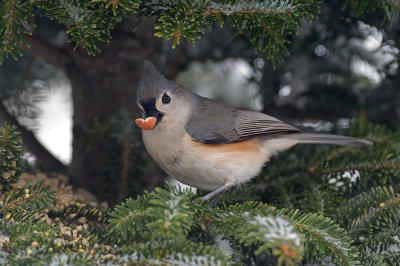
x,y
149,105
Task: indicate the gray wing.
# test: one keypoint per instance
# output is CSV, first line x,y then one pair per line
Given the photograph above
x,y
215,123
254,124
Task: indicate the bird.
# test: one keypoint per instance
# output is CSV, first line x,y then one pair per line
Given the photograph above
x,y
207,144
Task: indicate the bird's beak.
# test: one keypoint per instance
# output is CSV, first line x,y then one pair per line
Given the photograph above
x,y
152,118
151,115
146,124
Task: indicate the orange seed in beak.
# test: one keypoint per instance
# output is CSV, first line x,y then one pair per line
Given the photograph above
x,y
146,124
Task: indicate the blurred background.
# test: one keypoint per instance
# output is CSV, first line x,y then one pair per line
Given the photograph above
x,y
75,111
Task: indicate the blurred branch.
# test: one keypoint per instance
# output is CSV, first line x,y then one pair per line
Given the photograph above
x,y
52,54
30,142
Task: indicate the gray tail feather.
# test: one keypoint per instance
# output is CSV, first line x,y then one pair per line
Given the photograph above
x,y
313,138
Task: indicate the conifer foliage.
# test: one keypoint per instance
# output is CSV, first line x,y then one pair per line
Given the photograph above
x,y
268,23
352,220
10,156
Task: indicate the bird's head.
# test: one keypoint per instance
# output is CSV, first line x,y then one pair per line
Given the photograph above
x,y
157,97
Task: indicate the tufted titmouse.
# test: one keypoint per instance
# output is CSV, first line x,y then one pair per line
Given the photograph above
x,y
209,145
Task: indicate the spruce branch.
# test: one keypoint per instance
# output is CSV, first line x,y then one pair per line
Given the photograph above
x,y
320,199
14,22
254,224
381,241
324,238
10,156
184,19
126,5
170,214
171,253
160,214
243,7
384,258
369,213
393,164
27,203
391,7
87,23
268,23
128,218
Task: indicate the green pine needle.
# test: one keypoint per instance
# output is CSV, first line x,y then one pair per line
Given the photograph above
x,y
30,202
324,238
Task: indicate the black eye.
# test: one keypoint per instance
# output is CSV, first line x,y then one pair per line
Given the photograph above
x,y
165,98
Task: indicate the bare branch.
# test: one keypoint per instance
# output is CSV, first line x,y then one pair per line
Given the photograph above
x,y
52,54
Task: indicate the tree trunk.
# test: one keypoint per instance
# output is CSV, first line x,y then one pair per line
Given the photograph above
x,y
101,85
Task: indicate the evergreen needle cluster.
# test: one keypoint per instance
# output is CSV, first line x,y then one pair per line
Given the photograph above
x,y
339,206
268,24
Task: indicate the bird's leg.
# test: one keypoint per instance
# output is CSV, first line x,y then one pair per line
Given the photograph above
x,y
217,197
216,194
